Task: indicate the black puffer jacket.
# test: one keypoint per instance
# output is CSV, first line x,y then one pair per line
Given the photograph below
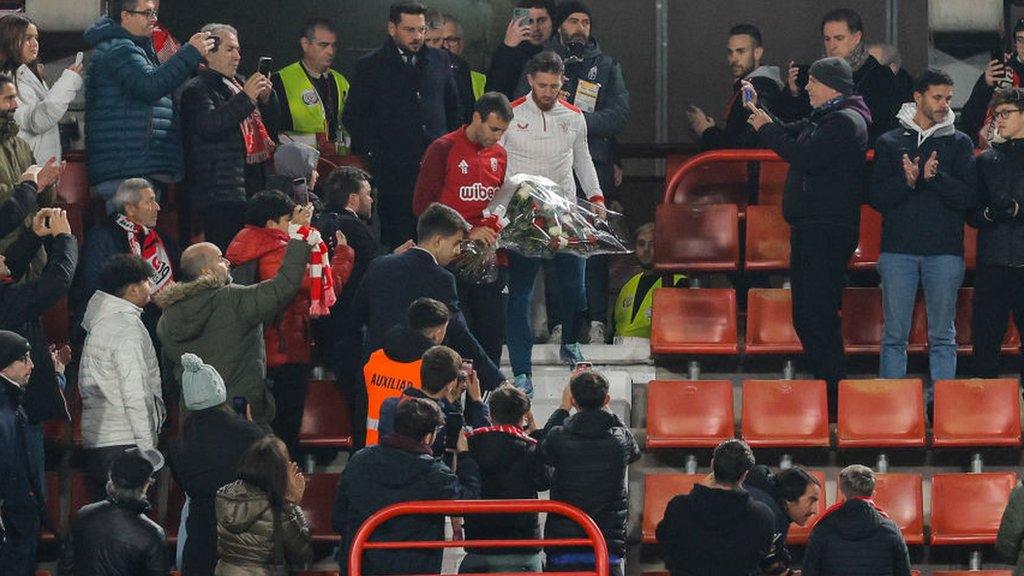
x,y
510,468
115,539
855,540
589,453
825,152
1000,183
214,149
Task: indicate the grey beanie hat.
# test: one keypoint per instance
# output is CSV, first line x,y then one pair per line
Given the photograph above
x,y
201,385
296,160
835,73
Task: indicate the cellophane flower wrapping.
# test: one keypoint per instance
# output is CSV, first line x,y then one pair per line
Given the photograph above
x,y
536,220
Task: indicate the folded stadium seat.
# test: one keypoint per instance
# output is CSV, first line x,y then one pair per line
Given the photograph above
x,y
317,502
964,314
967,508
785,413
881,413
771,181
798,535
869,246
917,340
57,322
862,320
694,321
79,494
970,247
724,182
52,480
325,417
688,413
689,238
767,239
73,187
770,322
1011,343
976,412
900,496
659,489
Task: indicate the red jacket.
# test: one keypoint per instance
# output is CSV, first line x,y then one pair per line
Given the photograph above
x,y
460,174
288,340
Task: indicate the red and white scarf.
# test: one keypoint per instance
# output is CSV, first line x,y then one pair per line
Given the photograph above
x,y
259,146
505,429
321,279
151,249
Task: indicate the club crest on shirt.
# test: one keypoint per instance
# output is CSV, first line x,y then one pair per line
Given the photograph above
x,y
565,127
494,164
464,167
310,97
592,74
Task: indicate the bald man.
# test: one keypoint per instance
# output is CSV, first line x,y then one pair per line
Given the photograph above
x,y
222,323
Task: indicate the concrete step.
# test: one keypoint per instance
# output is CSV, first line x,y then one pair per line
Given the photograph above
x,y
632,351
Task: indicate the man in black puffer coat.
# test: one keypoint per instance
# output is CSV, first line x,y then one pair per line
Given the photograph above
x,y
227,124
510,468
855,536
589,453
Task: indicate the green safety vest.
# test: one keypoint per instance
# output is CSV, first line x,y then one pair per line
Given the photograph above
x,y
308,116
479,80
639,325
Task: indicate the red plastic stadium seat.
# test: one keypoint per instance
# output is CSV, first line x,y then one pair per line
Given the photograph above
x,y
703,238
57,321
900,496
970,247
659,489
964,314
79,493
317,503
881,413
689,414
770,322
767,239
694,321
967,508
977,413
52,505
798,535
785,413
724,182
74,183
973,573
325,418
771,180
862,320
869,246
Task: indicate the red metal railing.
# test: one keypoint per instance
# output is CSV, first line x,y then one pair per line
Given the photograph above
x,y
594,537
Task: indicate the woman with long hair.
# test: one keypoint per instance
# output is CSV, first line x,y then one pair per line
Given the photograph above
x,y
40,107
260,528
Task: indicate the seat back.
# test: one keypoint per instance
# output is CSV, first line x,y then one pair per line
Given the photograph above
x,y
726,182
767,239
325,417
862,320
659,489
317,503
689,414
967,508
771,182
977,412
970,247
902,498
770,322
696,238
877,413
785,413
869,244
694,321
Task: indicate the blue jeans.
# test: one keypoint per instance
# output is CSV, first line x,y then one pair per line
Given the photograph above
x,y
940,276
572,302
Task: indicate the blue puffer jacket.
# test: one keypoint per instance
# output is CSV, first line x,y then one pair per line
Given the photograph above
x,y
130,125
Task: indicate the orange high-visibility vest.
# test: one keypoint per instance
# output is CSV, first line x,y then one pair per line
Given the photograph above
x,y
385,378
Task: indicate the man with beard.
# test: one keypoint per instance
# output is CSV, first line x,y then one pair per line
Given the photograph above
x,y
403,98
635,299
924,185
455,43
842,32
221,322
745,51
559,153
524,39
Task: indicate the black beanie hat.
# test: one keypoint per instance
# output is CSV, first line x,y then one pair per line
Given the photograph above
x,y
569,7
835,73
13,347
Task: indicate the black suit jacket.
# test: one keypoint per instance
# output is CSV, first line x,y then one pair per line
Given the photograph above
x,y
384,296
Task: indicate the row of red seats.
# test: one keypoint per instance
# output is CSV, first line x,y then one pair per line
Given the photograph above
x,y
706,238
965,508
872,413
704,321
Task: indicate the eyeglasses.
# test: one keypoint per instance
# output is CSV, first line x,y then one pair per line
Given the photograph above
x,y
453,40
1004,114
149,14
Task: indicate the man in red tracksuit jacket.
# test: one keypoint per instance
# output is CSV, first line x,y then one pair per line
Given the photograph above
x,y
463,170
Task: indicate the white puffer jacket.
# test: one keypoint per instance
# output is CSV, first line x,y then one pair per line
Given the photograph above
x,y
41,108
119,378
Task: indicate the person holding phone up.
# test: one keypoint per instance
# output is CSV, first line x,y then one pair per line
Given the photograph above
x,y
228,122
1004,69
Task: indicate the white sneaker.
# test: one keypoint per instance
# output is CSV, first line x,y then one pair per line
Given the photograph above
x,y
597,332
556,335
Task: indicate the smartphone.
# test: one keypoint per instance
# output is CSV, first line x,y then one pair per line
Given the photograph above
x,y
803,74
748,96
453,423
584,366
263,67
300,189
216,42
79,58
997,54
46,222
522,15
240,404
